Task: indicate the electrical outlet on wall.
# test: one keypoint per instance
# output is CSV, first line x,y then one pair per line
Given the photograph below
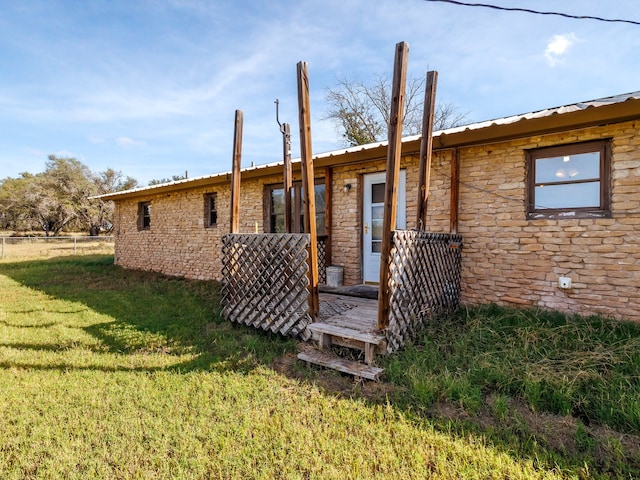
x,y
564,282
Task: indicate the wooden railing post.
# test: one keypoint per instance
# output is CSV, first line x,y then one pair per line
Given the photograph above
x,y
455,191
308,185
394,152
235,173
424,172
287,176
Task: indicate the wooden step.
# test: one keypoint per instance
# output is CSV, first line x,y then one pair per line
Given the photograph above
x,y
369,342
329,359
349,333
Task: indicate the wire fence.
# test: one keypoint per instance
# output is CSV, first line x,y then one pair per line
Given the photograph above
x,y
38,247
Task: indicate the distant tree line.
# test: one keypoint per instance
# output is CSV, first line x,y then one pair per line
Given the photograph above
x,y
60,198
174,178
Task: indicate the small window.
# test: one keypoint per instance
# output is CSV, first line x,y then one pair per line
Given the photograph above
x,y
211,210
144,215
569,181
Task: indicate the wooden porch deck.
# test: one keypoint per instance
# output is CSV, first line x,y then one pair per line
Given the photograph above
x,y
356,313
349,322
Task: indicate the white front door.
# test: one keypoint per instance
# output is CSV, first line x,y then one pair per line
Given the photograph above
x,y
372,217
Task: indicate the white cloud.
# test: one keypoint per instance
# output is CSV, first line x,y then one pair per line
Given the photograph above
x,y
127,142
558,47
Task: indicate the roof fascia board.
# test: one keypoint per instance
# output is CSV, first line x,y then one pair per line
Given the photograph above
x,y
556,122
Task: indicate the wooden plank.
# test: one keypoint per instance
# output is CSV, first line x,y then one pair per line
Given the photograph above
x,y
308,185
394,152
324,341
288,176
455,191
330,360
344,332
369,353
331,296
235,173
426,145
356,321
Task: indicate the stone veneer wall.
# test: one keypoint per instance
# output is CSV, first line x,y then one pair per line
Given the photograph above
x,y
510,260
507,259
178,243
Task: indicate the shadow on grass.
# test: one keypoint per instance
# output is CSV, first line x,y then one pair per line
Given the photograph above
x,y
150,314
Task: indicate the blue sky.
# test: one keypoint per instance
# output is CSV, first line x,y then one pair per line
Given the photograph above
x,y
149,87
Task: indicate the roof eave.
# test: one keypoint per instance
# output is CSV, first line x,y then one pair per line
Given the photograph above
x,y
553,123
496,131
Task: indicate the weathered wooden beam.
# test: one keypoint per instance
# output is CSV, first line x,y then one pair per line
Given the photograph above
x,y
455,191
328,359
308,185
287,175
235,173
424,172
394,152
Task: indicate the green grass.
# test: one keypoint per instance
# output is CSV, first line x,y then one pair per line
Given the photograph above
x,y
561,388
107,373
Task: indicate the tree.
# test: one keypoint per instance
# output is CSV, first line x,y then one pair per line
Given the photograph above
x,y
361,111
61,192
14,209
60,197
98,214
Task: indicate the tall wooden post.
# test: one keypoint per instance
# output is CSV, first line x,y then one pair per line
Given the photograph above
x,y
235,172
424,172
308,185
287,175
455,191
394,152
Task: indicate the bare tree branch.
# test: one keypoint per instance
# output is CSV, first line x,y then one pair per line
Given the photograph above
x,y
360,111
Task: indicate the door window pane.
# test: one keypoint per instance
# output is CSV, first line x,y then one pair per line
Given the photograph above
x,y
377,213
377,193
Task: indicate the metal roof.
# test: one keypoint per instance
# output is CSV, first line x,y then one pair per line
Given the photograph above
x,y
461,130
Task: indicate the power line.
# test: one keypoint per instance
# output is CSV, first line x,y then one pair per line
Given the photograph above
x,y
536,12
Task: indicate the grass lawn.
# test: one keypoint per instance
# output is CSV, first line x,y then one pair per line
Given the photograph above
x,y
107,373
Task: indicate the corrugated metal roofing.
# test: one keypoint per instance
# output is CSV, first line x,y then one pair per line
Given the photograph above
x,y
574,107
